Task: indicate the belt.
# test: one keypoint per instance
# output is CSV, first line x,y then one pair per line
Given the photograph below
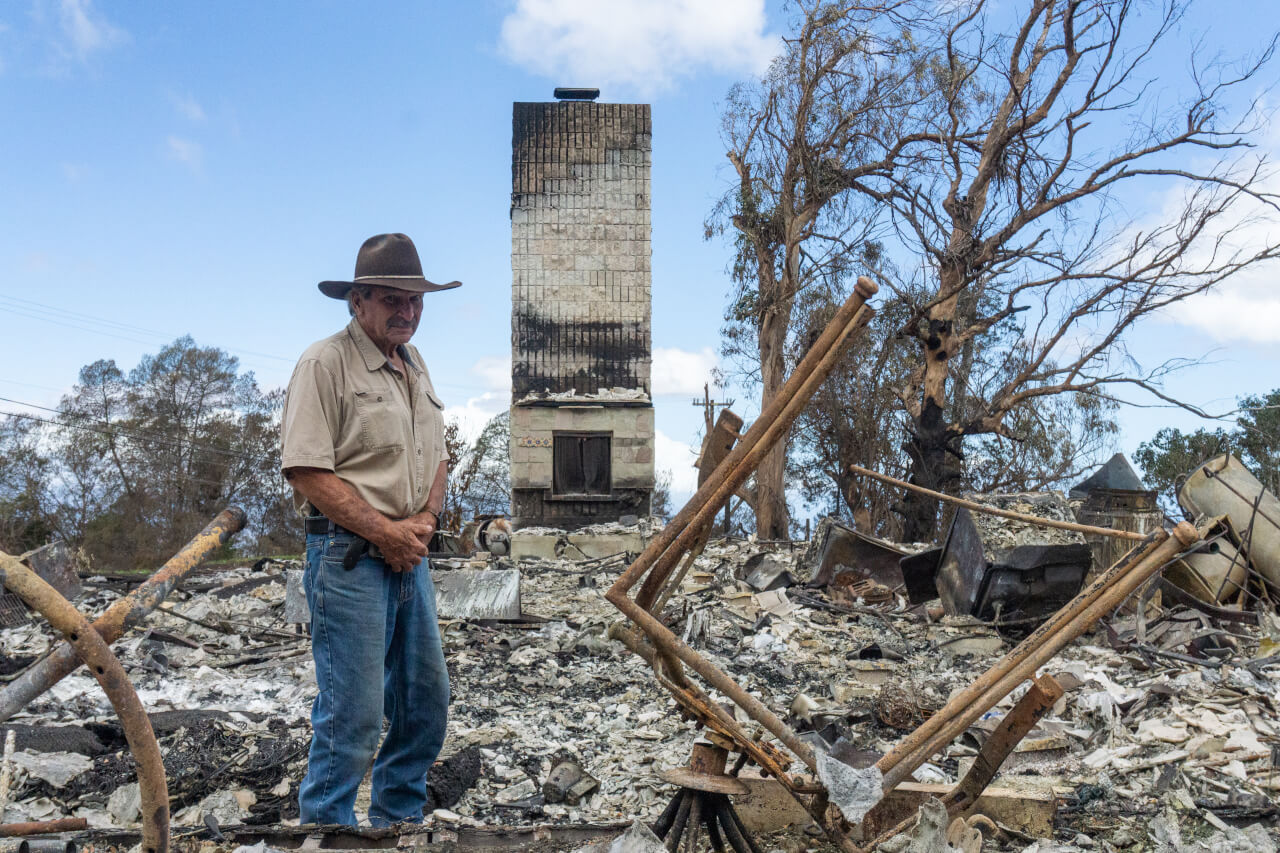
x,y
321,525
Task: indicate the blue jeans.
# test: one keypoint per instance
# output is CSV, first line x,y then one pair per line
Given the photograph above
x,y
377,650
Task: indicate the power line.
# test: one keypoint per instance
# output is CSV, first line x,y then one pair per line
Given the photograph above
x,y
83,322
140,437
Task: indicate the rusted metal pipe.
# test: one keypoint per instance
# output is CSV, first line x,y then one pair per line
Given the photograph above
x,y
124,614
96,654
744,458
1021,664
775,429
43,827
1043,694
1003,513
1016,725
712,491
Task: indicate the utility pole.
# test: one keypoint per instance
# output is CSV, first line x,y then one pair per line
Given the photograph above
x,y
709,417
709,407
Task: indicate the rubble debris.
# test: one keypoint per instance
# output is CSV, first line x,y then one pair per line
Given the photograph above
x,y
767,570
638,838
616,394
1024,809
935,833
92,648
127,613
1109,740
296,609
1011,572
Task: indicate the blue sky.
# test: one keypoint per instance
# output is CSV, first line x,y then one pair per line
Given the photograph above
x,y
196,167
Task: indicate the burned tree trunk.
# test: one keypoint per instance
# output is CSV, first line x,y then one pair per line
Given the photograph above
x,y
772,518
933,448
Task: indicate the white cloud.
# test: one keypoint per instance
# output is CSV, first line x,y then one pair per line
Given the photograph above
x,y
681,372
1245,310
185,151
494,374
678,458
645,45
74,172
476,412
187,106
84,32
1246,307
494,371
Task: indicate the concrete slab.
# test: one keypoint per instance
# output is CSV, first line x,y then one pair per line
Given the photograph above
x,y
573,546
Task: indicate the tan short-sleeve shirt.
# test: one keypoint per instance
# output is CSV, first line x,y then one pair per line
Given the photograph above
x,y
347,410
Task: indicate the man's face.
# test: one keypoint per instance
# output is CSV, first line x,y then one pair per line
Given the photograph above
x,y
389,316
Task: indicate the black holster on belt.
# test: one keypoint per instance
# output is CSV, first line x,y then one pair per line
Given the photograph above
x,y
319,524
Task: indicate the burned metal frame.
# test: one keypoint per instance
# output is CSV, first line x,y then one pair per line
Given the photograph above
x,y
93,649
91,644
668,654
658,560
124,614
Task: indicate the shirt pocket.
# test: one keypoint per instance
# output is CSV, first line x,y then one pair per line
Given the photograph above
x,y
379,421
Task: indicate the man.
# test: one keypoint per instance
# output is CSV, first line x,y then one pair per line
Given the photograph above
x,y
363,447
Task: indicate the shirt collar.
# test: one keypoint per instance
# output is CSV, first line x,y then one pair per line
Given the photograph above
x,y
373,357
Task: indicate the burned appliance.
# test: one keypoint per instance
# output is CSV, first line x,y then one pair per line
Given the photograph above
x,y
1011,572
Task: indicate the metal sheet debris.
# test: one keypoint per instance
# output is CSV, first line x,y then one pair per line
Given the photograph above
x,y
477,593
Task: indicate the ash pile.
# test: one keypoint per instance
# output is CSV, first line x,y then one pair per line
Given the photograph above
x,y
1166,733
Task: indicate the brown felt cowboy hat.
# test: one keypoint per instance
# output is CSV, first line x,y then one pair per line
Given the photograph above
x,y
388,260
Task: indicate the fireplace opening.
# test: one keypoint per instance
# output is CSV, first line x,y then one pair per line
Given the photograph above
x,y
580,463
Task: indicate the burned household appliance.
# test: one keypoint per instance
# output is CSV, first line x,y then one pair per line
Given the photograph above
x,y
1009,571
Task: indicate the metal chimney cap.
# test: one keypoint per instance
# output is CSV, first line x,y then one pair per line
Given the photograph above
x,y
564,93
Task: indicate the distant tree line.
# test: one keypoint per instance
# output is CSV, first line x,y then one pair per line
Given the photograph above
x,y
130,465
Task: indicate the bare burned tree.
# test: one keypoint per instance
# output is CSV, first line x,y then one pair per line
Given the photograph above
x,y
838,85
1001,182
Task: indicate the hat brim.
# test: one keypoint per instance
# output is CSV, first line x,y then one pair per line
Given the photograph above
x,y
338,289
